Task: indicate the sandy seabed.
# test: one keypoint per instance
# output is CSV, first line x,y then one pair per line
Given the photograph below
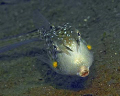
x,y
23,74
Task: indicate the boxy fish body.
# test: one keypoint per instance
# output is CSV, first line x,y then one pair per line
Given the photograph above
x,y
67,51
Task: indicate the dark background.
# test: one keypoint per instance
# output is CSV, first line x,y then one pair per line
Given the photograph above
x,y
22,73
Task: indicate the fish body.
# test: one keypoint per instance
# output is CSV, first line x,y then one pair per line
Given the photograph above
x,y
67,51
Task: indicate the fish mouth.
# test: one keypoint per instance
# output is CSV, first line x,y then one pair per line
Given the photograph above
x,y
84,71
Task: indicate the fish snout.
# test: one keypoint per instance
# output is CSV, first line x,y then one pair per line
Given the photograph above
x,y
84,71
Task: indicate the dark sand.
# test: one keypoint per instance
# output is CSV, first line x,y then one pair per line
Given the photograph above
x,y
23,74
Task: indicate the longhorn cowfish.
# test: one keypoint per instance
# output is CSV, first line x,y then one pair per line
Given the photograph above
x,y
67,52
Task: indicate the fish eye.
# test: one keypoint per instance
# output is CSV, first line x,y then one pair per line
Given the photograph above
x,y
51,27
55,47
79,34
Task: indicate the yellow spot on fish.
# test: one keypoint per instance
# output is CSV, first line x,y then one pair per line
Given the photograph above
x,y
89,47
55,64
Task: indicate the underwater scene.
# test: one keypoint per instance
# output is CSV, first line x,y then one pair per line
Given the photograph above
x,y
59,48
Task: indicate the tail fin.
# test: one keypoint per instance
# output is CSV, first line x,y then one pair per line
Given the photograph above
x,y
15,45
41,24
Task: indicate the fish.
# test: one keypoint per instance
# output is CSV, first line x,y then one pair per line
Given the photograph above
x,y
67,52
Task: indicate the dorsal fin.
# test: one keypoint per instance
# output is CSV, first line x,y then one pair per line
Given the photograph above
x,y
40,21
